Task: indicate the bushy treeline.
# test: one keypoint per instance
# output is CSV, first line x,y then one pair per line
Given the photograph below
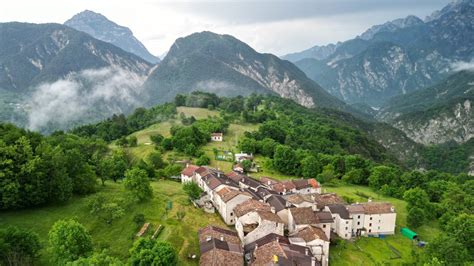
x,y
119,125
449,157
35,170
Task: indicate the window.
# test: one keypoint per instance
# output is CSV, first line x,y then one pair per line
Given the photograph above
x,y
370,224
379,227
346,228
324,226
371,218
379,221
345,235
358,223
358,216
231,214
370,230
231,221
347,222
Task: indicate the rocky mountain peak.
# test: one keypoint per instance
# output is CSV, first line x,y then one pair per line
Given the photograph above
x,y
100,27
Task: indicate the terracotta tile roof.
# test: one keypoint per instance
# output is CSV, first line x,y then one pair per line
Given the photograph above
x,y
355,208
216,252
227,194
324,217
298,198
236,177
377,207
288,185
212,182
327,199
268,181
310,233
218,257
218,233
249,206
201,170
301,183
279,246
189,171
269,216
314,183
339,209
304,216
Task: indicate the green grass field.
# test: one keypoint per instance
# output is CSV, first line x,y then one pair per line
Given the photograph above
x,y
118,237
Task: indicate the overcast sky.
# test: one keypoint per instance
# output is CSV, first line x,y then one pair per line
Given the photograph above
x,y
278,27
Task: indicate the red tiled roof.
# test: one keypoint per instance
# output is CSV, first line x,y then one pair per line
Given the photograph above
x,y
217,232
189,171
304,215
311,233
201,170
249,206
313,182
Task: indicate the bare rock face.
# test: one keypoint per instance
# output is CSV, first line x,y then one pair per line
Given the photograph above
x,y
455,123
101,28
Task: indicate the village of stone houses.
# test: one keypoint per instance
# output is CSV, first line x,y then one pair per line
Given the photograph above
x,y
278,222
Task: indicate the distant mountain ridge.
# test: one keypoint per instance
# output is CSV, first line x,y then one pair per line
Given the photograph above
x,y
396,57
101,28
223,65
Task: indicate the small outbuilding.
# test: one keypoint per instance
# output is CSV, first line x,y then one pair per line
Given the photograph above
x,y
217,136
409,233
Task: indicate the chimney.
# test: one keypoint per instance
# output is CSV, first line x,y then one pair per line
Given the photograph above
x,y
272,209
256,246
268,182
313,207
222,238
278,240
369,200
306,251
392,209
208,238
187,165
312,197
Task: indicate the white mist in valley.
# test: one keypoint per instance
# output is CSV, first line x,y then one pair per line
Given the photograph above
x,y
463,66
97,93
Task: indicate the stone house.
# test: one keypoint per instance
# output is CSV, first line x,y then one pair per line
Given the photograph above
x,y
227,199
255,220
315,239
274,249
219,246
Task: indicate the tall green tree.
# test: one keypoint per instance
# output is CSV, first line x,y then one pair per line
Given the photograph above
x,y
150,252
69,240
285,160
18,246
138,184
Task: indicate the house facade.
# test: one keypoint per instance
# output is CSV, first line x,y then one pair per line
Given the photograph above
x,y
217,136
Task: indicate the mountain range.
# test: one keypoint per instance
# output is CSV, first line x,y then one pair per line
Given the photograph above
x,y
101,28
394,58
55,76
224,65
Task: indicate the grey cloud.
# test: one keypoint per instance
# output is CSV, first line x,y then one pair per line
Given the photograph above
x,y
242,12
